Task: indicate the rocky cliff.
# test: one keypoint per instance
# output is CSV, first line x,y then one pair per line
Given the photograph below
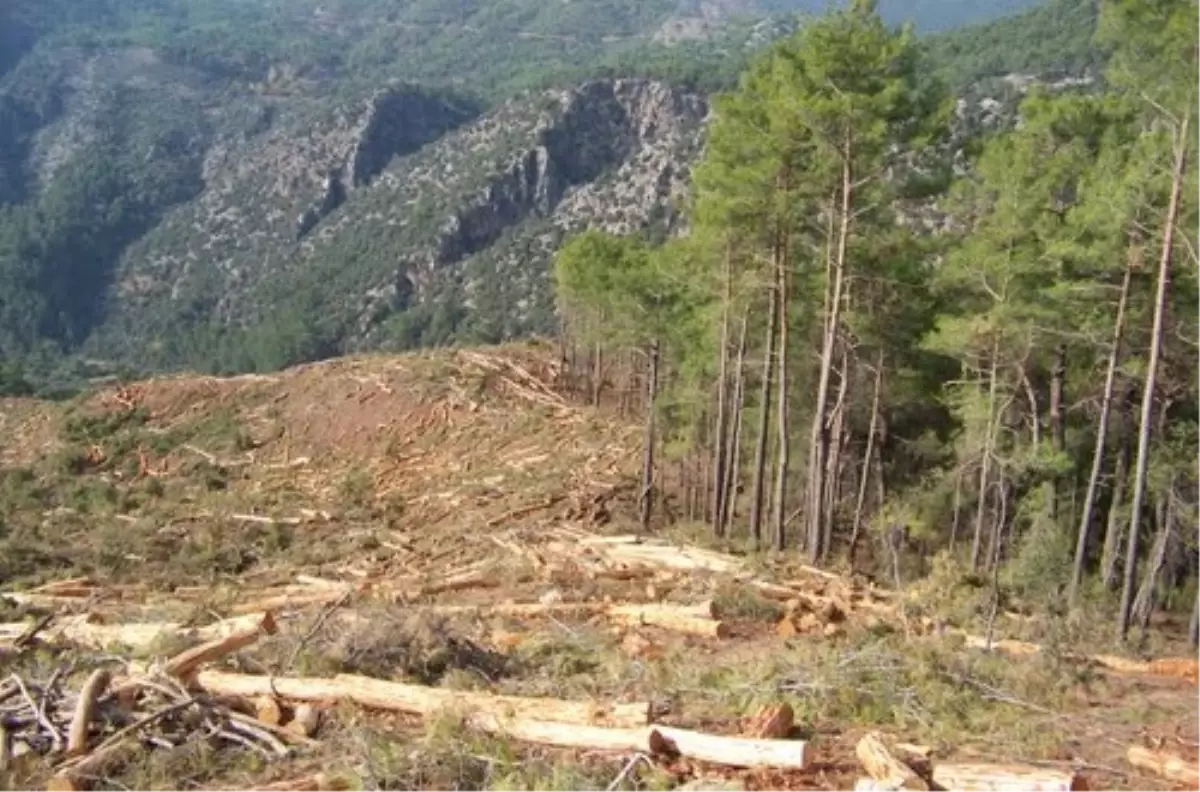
x,y
403,204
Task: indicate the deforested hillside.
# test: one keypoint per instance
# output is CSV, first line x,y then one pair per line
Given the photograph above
x,y
420,572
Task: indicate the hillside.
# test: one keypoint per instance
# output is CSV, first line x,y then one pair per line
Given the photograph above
x,y
386,509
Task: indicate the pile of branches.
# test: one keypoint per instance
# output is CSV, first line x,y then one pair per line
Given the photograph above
x,y
89,732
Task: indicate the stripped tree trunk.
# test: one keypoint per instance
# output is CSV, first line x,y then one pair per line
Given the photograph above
x,y
833,465
1143,605
733,462
778,517
819,441
722,434
647,501
757,492
1114,530
985,468
1089,499
865,476
1156,344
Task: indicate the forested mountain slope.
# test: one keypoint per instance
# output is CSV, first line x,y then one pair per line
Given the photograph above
x,y
243,185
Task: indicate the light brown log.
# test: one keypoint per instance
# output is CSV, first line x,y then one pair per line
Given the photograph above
x,y
267,710
1003,778
690,619
318,782
368,692
186,663
224,683
305,720
289,601
1165,764
885,768
422,700
85,711
84,630
520,609
561,735
718,749
70,583
731,751
1182,667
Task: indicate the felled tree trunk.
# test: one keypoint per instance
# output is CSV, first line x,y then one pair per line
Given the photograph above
x,y
1003,778
1165,764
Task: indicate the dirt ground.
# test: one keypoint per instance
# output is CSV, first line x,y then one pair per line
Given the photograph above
x,y
384,489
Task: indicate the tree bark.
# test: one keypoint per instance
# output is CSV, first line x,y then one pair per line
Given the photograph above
x,y
1089,499
1058,431
733,462
1156,344
597,374
720,452
834,454
757,504
819,441
865,475
1115,521
1143,604
985,467
647,500
1194,623
778,513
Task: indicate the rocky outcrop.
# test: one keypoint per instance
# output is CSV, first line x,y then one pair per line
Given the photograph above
x,y
405,203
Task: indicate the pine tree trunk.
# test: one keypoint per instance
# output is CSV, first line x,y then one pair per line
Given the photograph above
x,y
1143,606
956,509
1156,344
647,500
1089,499
733,461
597,374
1114,529
833,465
757,493
1058,431
782,458
985,463
1194,623
861,499
720,452
819,442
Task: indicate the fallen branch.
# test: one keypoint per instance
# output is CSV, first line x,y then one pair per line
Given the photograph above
x,y
85,711
185,663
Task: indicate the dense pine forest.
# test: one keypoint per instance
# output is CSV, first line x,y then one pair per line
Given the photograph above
x,y
867,349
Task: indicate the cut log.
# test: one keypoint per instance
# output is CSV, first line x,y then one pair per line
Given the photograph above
x,y
731,751
885,768
418,699
771,722
474,578
1182,667
379,694
305,720
318,782
690,619
85,711
718,749
267,710
290,601
186,663
1004,778
518,609
1165,764
84,630
561,735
